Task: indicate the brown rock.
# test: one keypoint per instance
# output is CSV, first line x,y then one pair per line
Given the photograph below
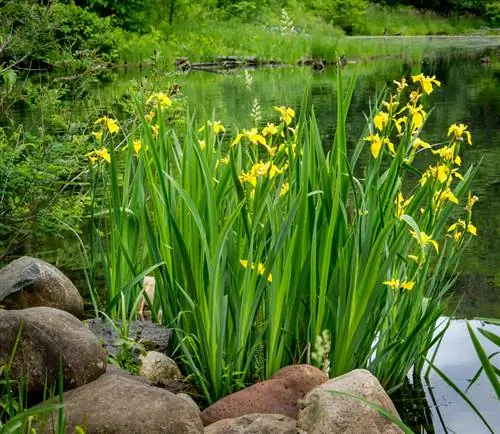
x,y
115,404
324,412
49,337
278,395
29,282
257,423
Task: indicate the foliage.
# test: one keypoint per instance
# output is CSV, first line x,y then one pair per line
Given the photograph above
x,y
346,14
39,36
249,234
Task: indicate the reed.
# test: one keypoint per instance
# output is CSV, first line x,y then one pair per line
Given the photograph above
x,y
262,241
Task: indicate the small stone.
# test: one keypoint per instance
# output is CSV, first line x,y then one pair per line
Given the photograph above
x,y
158,368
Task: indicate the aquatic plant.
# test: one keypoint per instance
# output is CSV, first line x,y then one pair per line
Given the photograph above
x,y
262,240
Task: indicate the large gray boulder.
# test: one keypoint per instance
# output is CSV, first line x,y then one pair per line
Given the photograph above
x,y
49,337
29,282
278,395
257,423
323,411
118,404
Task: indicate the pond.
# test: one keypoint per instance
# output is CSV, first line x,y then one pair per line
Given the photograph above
x,y
470,94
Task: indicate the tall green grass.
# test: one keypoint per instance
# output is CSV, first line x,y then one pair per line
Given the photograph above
x,y
260,244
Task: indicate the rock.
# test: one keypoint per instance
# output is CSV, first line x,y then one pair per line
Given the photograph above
x,y
278,395
29,282
49,336
153,337
117,404
158,368
324,412
257,423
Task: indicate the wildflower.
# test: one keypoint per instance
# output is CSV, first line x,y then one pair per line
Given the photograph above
x,y
284,189
377,143
419,143
469,227
286,113
398,122
202,144
97,154
401,84
260,268
223,161
98,136
390,106
441,172
155,130
401,204
413,258
458,130
254,136
426,82
441,196
217,127
417,116
471,200
380,120
109,123
260,169
448,153
269,129
424,239
150,116
159,99
137,146
396,284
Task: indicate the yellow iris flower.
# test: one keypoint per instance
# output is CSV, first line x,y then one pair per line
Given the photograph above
x,y
377,143
458,130
260,268
269,129
426,82
286,114
159,99
380,120
424,239
396,284
110,124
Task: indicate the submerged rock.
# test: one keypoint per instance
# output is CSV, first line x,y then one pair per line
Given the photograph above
x,y
278,395
323,411
43,340
29,282
118,404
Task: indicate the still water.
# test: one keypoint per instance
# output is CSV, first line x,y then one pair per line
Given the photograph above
x,y
470,94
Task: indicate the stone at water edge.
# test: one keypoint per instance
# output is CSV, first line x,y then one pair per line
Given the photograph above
x,y
29,282
257,423
158,368
49,336
115,404
278,395
325,412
